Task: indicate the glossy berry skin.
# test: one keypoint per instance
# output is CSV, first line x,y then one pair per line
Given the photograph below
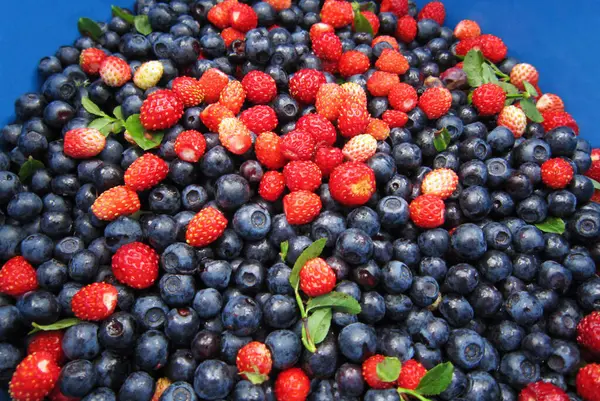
x,y
301,207
302,175
161,110
17,277
542,391
83,143
136,265
352,183
255,358
146,172
317,278
489,99
305,84
427,211
557,173
369,372
206,227
292,384
587,332
43,368
94,302
587,381
435,102
115,202
411,374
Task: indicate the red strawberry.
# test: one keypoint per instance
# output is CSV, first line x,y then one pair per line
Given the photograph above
x,y
557,173
259,119
292,385
435,102
427,211
337,13
542,391
243,17
360,148
230,35
369,372
213,114
353,119
550,102
188,90
594,170
328,46
588,382
83,143
114,71
352,183
212,82
514,119
268,150
95,301
353,93
17,277
298,145
115,202
328,101
317,278
272,185
353,62
373,21
553,119
305,84
90,60
145,172
48,341
489,99
328,158
440,182
397,7
34,377
319,29
588,332
403,97
524,72
260,87
220,14
301,207
467,29
411,374
492,47
205,227
234,136
378,129
233,96
136,265
434,10
321,129
466,45
279,5
406,29
380,83
302,175
388,39
330,66
254,362
190,146
392,61
395,118
161,110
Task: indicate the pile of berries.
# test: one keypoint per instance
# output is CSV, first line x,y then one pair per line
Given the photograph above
x,y
277,200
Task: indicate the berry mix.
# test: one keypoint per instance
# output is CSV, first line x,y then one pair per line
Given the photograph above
x,y
273,200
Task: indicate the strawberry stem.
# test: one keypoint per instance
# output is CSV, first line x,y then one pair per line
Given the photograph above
x,y
308,343
412,393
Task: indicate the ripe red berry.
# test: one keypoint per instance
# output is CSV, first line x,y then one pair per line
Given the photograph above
x,y
260,87
243,17
90,60
395,118
411,374
594,171
305,84
352,183
48,341
161,110
34,378
492,47
213,114
337,13
353,119
292,385
302,175
17,277
190,146
467,29
441,182
116,201
318,29
434,10
254,362
328,158
95,301
380,82
272,185
317,278
514,119
230,35
301,207
403,97
588,332
328,101
387,39
549,102
588,382
554,119
557,173
398,7
321,129
234,136
83,143
542,391
489,99
259,119
406,29
369,372
298,145
135,265
392,61
524,72
427,211
435,102
189,91
360,148
145,172
328,46
212,82
268,149
353,62
205,227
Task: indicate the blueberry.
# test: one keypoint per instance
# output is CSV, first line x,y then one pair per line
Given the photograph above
x,y
111,369
205,345
81,341
461,278
40,307
151,350
554,276
216,274
138,386
506,336
242,315
381,395
465,348
213,380
428,357
565,357
456,310
328,225
357,342
100,394
10,356
164,198
122,231
179,258
396,277
150,312
457,386
481,387
468,241
177,289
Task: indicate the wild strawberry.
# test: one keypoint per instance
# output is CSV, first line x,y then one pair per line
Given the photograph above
x,y
301,207
353,62
594,171
268,150
318,29
406,29
352,183
337,13
353,93
524,72
161,385
161,110
279,5
466,45
328,47
435,102
373,21
205,227
434,10
380,83
328,101
190,146
328,158
298,145
411,374
17,277
467,29
395,118
557,173
542,391
189,91
260,87
492,47
387,39
213,114
489,99
230,35
114,71
259,118
145,172
514,119
378,129
440,182
292,385
135,265
317,278
90,60
550,102
305,84
34,377
392,61
588,382
403,97
233,96
254,362
212,82
302,175
272,185
148,74
243,17
95,301
588,332
234,136
398,7
83,143
427,211
115,202
353,119
360,148
48,341
321,129
369,372
553,119
220,14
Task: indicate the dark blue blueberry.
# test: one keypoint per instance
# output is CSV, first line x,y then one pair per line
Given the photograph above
x,y
588,294
468,241
495,266
10,356
372,307
382,395
280,311
111,370
206,344
456,310
486,300
40,307
251,222
434,333
537,346
396,277
506,336
285,347
367,275
81,341
230,345
52,275
565,357
179,258
563,321
77,378
481,387
213,380
328,225
407,155
216,274
249,276
392,211
164,199
83,266
365,219
242,315
37,248
357,342
461,278
354,246
428,357
434,242
491,358
181,326
585,224
117,332
151,350
407,251
278,279
581,266
10,237
122,231
554,276
100,394
457,386
138,386
562,203
465,348
11,322
524,308
177,289
323,362
150,312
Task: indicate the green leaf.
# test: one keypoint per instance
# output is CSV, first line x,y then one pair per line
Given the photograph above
x,y
119,12
509,88
284,250
311,252
255,378
530,89
133,125
61,324
117,126
28,168
337,300
100,124
531,111
118,113
93,108
142,24
89,28
473,67
318,325
441,140
488,75
552,225
361,23
470,97
596,183
389,370
436,380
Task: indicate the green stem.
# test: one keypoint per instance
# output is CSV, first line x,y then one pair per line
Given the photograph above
x,y
308,343
497,70
514,96
412,393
